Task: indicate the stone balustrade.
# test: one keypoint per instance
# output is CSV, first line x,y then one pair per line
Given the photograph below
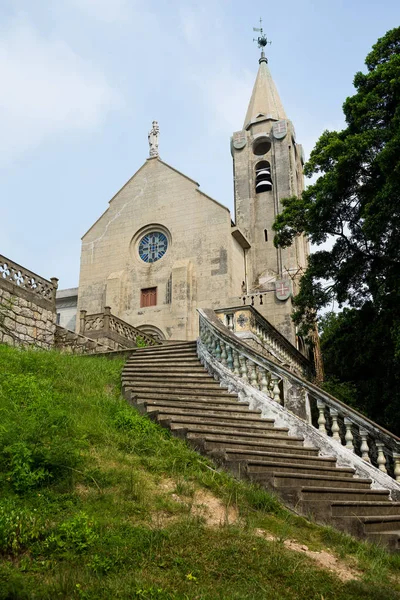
x,y
113,331
343,425
248,324
24,279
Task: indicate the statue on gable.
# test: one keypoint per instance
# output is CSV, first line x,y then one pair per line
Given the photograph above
x,y
153,139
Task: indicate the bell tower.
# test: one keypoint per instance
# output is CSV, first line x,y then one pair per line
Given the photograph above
x,y
268,166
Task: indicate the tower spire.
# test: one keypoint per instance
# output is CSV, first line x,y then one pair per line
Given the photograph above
x,y
265,100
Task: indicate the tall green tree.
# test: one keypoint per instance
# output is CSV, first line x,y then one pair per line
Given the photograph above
x,y
355,204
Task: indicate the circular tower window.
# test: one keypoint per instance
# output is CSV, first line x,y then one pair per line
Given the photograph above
x,y
261,145
153,246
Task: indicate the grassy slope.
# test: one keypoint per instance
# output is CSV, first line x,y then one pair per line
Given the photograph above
x,y
85,511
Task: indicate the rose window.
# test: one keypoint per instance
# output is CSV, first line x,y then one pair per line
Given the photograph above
x,y
153,246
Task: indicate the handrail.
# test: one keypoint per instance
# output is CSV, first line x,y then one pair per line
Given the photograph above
x,y
108,325
375,444
277,343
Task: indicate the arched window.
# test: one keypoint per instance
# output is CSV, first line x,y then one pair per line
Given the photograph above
x,y
263,177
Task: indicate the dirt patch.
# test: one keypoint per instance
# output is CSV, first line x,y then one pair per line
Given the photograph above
x,y
212,509
324,559
202,504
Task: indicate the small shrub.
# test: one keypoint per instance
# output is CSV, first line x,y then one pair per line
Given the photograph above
x,y
23,475
76,534
19,527
140,342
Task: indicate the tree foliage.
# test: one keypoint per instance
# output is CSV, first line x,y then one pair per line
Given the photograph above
x,y
355,204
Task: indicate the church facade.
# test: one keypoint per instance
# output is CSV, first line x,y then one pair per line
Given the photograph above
x,y
163,248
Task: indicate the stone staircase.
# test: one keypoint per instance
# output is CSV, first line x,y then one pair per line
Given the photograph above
x,y
170,384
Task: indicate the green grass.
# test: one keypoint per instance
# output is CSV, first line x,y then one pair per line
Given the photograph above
x,y
96,502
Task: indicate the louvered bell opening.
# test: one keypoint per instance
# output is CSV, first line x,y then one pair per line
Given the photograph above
x,y
264,186
263,173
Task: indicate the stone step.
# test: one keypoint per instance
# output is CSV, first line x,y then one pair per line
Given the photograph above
x,y
152,359
270,435
333,493
219,420
171,379
214,443
221,400
166,360
368,509
166,369
299,466
176,393
160,384
381,523
206,406
199,413
222,426
293,480
388,539
197,402
166,348
269,457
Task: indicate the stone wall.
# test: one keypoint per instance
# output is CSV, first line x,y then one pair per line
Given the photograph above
x,y
27,306
74,343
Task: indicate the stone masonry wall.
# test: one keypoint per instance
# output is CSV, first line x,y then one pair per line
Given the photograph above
x,y
74,343
27,307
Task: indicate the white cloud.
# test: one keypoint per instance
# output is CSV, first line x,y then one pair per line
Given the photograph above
x,y
47,90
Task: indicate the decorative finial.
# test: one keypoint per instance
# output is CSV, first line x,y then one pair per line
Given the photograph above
x,y
261,41
153,139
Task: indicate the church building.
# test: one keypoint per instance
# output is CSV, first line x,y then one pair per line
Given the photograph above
x,y
163,248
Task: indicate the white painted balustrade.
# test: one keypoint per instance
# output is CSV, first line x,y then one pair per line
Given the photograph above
x,y
333,418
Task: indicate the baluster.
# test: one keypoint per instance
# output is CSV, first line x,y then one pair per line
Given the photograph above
x,y
218,350
236,363
381,457
213,345
264,386
335,425
276,393
349,435
229,359
253,374
243,368
223,354
321,417
364,445
396,460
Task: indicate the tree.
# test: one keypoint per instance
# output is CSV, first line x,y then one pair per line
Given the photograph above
x,y
355,203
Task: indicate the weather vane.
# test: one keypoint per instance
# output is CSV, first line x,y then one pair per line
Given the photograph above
x,y
262,39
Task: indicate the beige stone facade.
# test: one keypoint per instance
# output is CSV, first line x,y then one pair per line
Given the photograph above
x,y
208,259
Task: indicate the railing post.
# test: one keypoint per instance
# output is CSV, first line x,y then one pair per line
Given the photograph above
x,y
364,445
321,417
253,375
236,363
106,318
82,322
264,381
276,392
349,434
243,368
396,460
335,425
229,357
381,457
54,281
224,355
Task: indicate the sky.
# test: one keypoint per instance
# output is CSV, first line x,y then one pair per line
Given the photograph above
x,y
82,80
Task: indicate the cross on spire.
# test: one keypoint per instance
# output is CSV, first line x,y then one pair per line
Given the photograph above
x,y
262,40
